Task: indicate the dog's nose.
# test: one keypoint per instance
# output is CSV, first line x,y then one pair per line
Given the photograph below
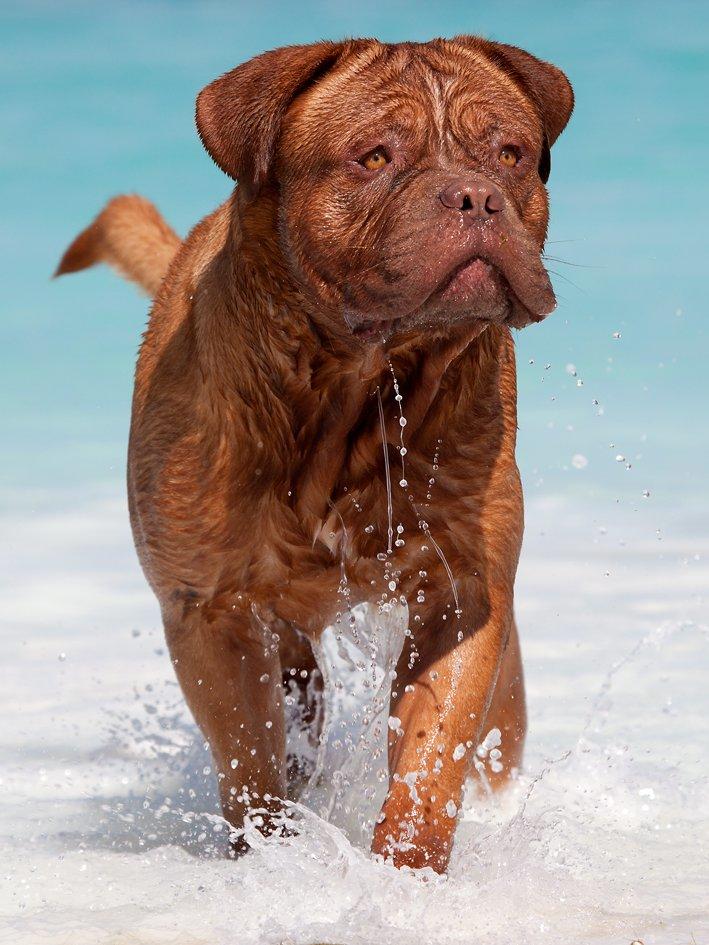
x,y
475,199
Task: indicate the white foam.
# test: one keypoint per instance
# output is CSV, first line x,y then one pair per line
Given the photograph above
x,y
109,821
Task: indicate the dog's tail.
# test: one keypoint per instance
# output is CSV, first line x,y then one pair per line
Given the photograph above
x,y
130,235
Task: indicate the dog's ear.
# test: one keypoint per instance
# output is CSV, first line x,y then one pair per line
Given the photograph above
x,y
545,84
239,114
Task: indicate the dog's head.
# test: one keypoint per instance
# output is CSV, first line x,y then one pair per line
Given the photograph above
x,y
410,178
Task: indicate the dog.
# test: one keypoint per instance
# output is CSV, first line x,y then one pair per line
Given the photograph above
x,y
325,398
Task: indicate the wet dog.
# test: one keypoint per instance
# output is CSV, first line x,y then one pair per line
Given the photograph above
x,y
385,235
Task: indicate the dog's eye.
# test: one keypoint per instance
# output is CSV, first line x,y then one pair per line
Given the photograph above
x,y
375,160
509,156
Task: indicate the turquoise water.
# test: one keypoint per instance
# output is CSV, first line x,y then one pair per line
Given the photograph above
x,y
98,99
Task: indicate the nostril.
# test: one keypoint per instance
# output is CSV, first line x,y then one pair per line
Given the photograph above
x,y
467,203
493,203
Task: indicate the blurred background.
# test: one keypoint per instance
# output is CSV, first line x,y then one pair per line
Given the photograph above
x,y
98,99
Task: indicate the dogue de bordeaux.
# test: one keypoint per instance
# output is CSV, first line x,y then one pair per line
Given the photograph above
x,y
386,233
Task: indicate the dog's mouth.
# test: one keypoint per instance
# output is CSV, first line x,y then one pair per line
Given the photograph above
x,y
478,288
476,282
474,276
372,329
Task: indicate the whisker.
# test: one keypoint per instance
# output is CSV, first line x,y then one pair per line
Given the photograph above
x,y
566,262
560,275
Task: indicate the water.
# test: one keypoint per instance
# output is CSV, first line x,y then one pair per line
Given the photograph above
x,y
357,660
109,823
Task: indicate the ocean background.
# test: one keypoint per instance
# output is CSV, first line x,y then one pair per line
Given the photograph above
x,y
98,99
608,837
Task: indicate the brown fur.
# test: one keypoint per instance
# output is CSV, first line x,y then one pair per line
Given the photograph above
x,y
130,235
256,462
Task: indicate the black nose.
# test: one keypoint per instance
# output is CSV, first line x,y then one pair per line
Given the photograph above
x,y
474,198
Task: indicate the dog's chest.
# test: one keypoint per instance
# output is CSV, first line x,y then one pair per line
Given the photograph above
x,y
385,523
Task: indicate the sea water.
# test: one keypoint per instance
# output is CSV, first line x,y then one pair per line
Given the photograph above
x,y
109,822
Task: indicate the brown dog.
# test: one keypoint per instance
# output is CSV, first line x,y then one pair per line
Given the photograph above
x,y
387,227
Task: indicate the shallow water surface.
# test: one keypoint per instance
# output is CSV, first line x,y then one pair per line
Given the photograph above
x,y
108,816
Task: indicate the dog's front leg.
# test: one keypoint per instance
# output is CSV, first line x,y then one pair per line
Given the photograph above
x,y
229,668
439,710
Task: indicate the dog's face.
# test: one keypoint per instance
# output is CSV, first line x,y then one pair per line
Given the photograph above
x,y
410,178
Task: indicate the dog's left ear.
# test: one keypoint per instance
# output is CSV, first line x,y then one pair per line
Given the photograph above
x,y
545,84
239,114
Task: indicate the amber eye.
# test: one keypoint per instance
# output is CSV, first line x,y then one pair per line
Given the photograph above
x,y
509,156
375,160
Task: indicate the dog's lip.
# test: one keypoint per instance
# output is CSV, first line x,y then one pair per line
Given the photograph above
x,y
467,264
492,270
366,327
374,329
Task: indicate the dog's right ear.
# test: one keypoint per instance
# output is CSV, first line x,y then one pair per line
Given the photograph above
x,y
239,114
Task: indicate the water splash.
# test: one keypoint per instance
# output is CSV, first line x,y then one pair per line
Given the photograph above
x,y
605,843
399,399
387,474
357,658
423,525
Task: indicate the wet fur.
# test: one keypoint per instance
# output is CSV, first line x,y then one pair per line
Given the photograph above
x,y
256,461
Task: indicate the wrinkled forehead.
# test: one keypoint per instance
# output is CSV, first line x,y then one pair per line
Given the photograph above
x,y
426,93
